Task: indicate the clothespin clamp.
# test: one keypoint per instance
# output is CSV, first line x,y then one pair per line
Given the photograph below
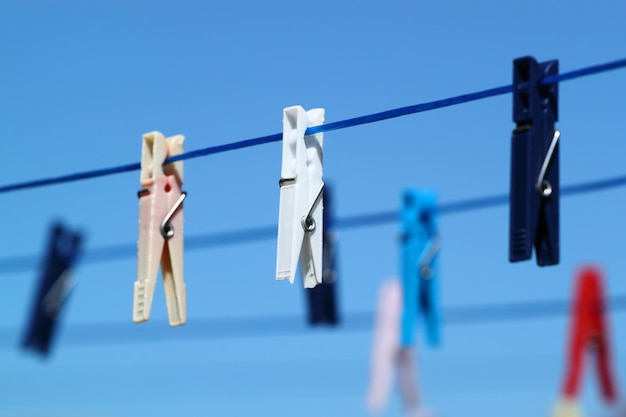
x,y
419,265
588,333
54,288
388,355
534,201
160,228
300,221
322,300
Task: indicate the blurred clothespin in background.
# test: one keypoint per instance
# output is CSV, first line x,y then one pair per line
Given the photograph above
x,y
589,333
421,245
534,198
300,222
322,300
54,287
388,355
160,228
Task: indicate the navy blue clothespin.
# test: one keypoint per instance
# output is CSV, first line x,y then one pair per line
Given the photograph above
x,y
419,265
54,286
534,200
322,299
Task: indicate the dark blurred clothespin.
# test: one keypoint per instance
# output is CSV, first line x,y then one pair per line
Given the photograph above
x,y
322,299
534,200
419,264
589,333
53,289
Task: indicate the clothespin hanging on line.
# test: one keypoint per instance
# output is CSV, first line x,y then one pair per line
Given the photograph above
x,y
54,287
300,222
160,228
589,332
388,355
322,300
534,200
419,264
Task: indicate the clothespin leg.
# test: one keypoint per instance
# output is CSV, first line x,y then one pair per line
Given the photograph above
x,y
522,228
311,256
385,345
293,193
608,383
150,250
430,308
576,356
409,388
547,247
172,267
605,374
410,284
407,379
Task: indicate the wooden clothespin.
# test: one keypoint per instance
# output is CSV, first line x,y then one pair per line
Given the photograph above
x,y
160,228
589,332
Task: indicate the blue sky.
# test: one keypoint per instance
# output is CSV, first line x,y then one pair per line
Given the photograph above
x,y
82,81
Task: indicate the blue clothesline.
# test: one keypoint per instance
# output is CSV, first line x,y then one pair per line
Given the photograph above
x,y
342,124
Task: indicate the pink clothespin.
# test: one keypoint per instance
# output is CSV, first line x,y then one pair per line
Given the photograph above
x,y
388,354
160,228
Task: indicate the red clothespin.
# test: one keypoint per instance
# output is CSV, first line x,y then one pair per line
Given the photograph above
x,y
589,332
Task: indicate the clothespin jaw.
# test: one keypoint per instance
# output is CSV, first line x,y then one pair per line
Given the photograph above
x,y
300,222
589,332
322,300
534,198
54,286
419,264
160,229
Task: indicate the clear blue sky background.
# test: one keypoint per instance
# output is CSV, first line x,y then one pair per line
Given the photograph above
x,y
82,81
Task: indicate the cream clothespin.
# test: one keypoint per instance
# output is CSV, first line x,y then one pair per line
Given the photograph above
x,y
160,228
300,213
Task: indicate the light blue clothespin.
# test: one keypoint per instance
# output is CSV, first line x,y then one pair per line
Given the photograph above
x,y
419,264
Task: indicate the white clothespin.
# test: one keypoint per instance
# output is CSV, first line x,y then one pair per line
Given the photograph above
x,y
389,356
160,228
300,213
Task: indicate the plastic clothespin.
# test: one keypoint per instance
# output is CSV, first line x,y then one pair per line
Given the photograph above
x,y
388,355
160,228
589,332
420,248
54,288
300,222
534,201
322,300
